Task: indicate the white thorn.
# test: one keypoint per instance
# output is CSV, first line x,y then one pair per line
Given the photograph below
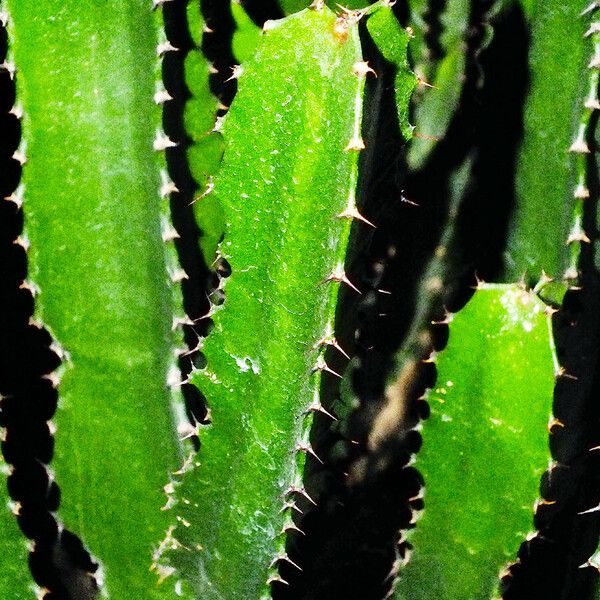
x,y
22,241
339,275
362,68
329,340
17,196
53,378
581,192
236,72
178,276
165,47
590,510
571,274
590,8
595,61
162,142
577,235
162,96
167,186
269,25
594,28
321,365
19,156
316,406
174,377
355,144
352,213
16,111
179,321
31,287
580,145
169,233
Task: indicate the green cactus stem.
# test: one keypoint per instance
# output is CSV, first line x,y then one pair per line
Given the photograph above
x,y
435,106
392,41
95,192
205,150
438,278
484,446
580,150
287,187
546,227
581,193
291,6
246,35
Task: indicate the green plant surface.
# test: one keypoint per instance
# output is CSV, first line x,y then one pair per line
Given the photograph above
x,y
419,52
246,35
546,214
485,446
392,41
87,75
205,150
292,139
435,107
15,579
291,6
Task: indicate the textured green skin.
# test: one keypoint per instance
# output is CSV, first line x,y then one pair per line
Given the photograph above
x,y
419,53
292,6
92,209
543,215
286,171
205,150
392,41
15,580
246,35
436,106
485,446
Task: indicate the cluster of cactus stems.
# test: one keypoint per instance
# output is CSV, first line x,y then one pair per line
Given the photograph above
x,y
199,368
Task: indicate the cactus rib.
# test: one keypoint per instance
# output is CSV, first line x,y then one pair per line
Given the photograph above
x,y
495,382
286,151
94,183
27,471
580,150
544,211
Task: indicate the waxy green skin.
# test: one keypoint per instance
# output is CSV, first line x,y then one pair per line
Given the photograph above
x,y
494,394
205,149
435,107
543,215
292,6
287,175
392,41
93,217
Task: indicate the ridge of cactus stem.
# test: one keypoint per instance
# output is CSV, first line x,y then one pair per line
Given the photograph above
x,y
108,284
21,466
500,347
234,503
